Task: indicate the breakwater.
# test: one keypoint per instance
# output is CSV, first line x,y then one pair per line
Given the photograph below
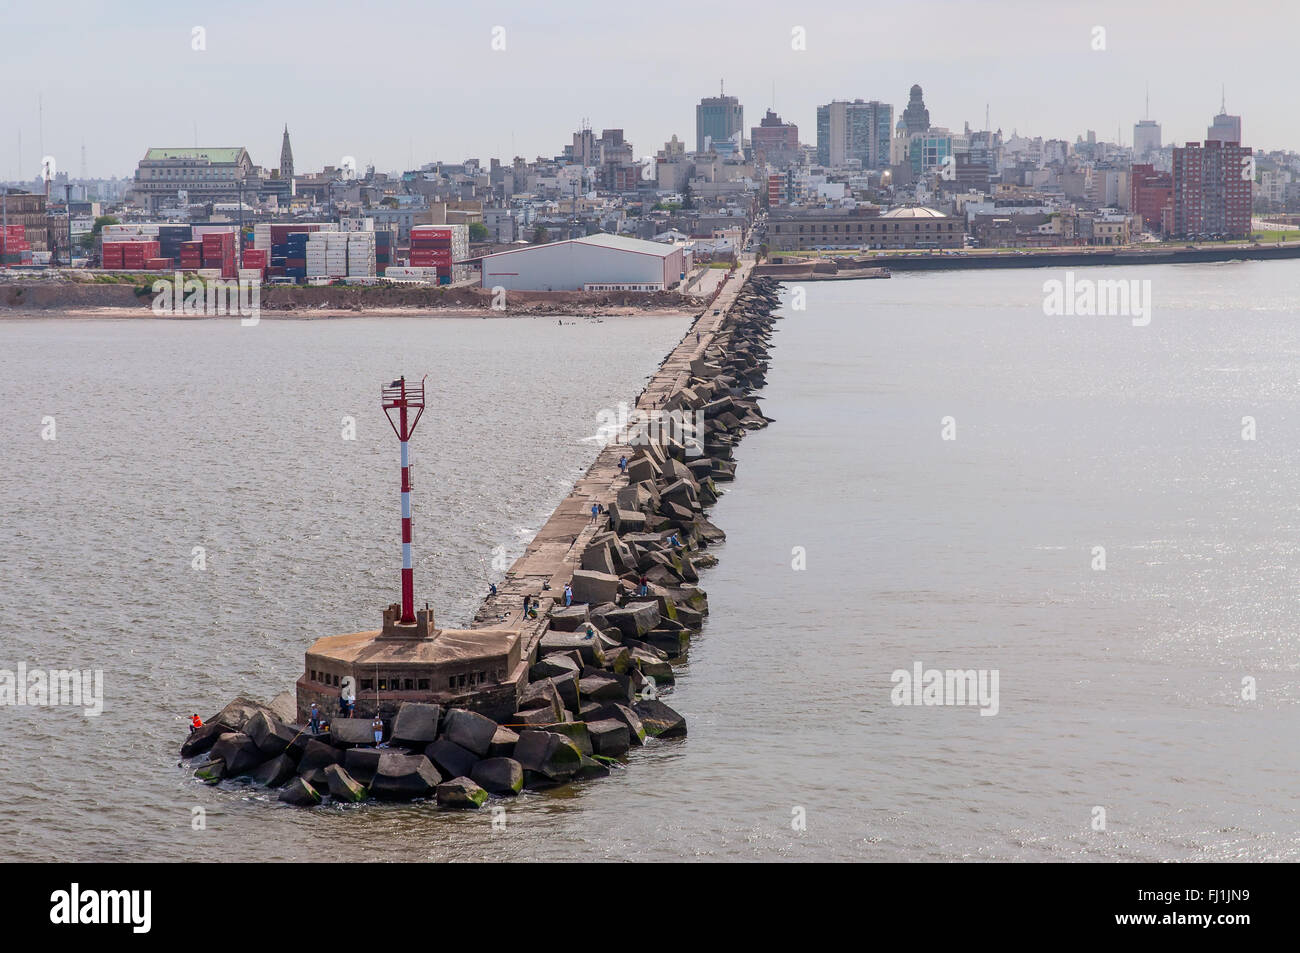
x,y
592,677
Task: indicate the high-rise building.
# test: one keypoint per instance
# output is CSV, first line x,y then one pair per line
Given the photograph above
x,y
1146,138
778,141
1212,189
857,130
929,151
1225,128
717,118
916,118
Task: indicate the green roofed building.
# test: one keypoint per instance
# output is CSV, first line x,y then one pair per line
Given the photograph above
x,y
202,174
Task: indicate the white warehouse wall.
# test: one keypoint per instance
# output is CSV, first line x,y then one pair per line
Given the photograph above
x,y
568,265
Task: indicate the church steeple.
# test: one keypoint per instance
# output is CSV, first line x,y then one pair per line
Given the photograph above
x,y
286,156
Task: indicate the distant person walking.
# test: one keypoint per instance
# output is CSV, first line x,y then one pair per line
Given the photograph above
x,y
568,595
595,512
622,464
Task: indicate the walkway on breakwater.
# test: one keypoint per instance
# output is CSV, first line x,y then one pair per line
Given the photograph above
x,y
556,551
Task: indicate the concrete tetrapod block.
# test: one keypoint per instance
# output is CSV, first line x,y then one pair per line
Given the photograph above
x,y
317,778
239,753
271,735
239,712
461,793
659,720
543,695
626,521
609,737
450,759
361,763
202,739
557,663
350,732
575,731
568,619
317,754
416,723
553,756
342,786
470,730
210,772
298,792
403,777
275,772
503,744
624,713
499,775
594,588
596,558
635,619
586,645
604,688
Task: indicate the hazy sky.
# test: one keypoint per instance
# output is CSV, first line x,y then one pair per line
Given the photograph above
x,y
401,82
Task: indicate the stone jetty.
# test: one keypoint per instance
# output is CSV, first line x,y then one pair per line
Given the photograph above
x,y
589,679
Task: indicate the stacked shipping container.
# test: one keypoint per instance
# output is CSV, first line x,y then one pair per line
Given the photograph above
x,y
14,247
442,247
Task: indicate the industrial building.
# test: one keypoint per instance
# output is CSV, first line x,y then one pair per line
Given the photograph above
x,y
909,227
593,263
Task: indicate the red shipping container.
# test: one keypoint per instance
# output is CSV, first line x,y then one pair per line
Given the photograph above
x,y
159,264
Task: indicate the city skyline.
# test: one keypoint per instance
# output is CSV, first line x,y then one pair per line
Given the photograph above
x,y
419,95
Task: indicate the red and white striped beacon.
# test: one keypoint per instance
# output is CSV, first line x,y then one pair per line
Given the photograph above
x,y
402,397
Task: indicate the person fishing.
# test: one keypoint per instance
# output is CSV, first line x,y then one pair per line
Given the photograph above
x,y
195,722
314,719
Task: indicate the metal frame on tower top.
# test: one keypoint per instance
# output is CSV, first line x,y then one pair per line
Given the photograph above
x,y
402,397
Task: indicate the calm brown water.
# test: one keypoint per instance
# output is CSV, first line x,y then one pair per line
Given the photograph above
x,y
1118,688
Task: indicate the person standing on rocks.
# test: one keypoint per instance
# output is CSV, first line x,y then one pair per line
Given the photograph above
x,y
595,511
643,590
314,719
622,464
378,726
568,595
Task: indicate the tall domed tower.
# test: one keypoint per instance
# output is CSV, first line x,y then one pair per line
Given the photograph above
x,y
916,117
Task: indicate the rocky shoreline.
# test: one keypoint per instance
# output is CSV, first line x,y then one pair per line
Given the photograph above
x,y
600,667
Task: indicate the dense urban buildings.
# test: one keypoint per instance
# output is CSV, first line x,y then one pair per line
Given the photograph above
x,y
874,178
